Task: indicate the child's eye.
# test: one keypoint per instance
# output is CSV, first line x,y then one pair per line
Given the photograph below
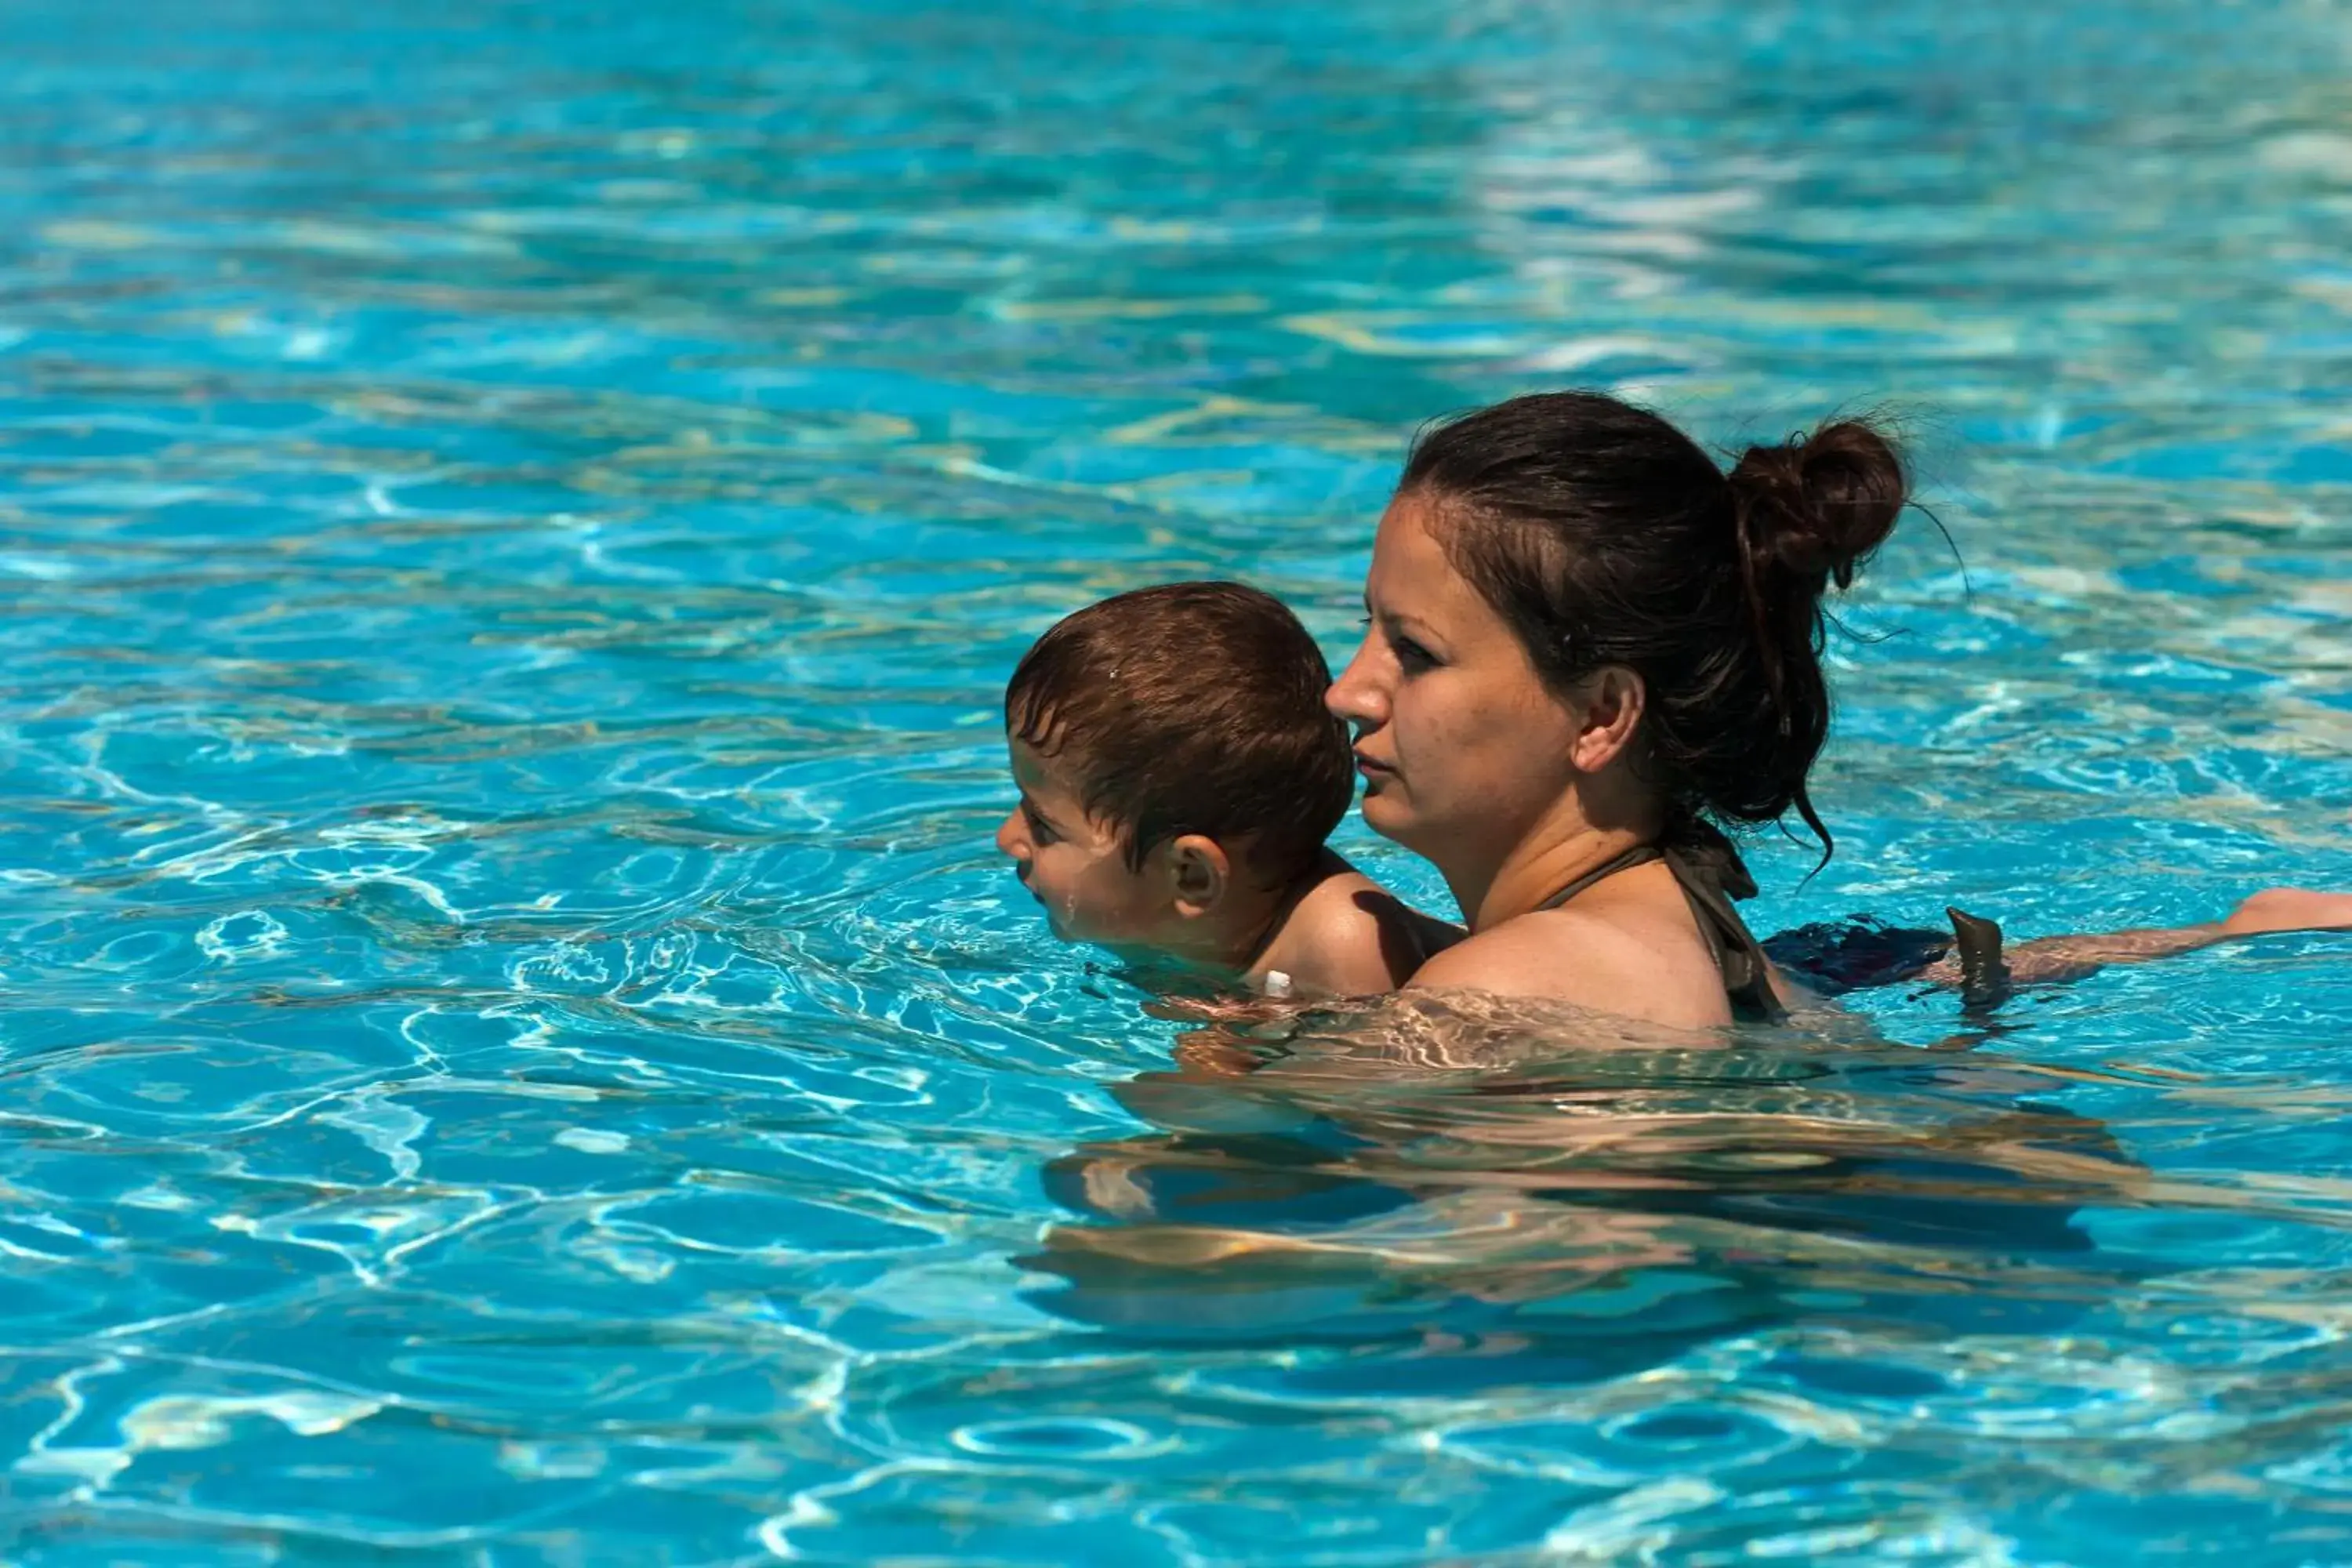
x,y
1039,832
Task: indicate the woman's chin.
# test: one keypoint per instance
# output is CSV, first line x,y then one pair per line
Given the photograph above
x,y
1385,816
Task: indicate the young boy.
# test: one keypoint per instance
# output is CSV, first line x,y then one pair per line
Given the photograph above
x,y
1179,774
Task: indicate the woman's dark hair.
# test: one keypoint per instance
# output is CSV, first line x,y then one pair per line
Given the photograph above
x,y
1604,535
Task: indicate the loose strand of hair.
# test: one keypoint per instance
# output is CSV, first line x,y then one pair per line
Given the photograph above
x,y
1820,829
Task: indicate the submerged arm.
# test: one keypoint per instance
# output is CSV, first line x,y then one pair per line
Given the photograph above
x,y
2058,958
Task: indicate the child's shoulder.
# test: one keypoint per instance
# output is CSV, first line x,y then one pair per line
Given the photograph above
x,y
1349,936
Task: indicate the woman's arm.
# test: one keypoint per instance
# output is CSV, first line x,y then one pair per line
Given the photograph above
x,y
2057,958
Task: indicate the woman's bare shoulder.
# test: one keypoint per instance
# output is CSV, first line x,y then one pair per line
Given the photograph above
x,y
1576,956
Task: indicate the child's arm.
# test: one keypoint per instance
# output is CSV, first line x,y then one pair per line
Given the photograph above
x,y
1349,937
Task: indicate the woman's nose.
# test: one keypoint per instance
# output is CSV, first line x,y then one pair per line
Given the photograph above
x,y
1357,696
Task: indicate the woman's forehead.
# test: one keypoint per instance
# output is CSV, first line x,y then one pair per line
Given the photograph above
x,y
1413,575
1406,543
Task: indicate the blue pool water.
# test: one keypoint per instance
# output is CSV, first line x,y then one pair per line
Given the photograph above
x,y
518,1051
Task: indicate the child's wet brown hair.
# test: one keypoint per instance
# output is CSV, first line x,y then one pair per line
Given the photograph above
x,y
1192,708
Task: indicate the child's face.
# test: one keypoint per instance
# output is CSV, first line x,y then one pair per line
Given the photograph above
x,y
1074,866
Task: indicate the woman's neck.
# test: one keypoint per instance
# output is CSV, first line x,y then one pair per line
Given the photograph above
x,y
1540,865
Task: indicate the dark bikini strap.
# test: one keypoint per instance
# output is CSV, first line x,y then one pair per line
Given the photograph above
x,y
1703,870
1738,956
1640,854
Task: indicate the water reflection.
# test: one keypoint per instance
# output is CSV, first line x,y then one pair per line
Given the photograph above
x,y
515,1046
1444,1177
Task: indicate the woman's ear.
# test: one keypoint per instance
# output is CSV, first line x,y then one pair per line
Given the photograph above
x,y
1198,873
1610,712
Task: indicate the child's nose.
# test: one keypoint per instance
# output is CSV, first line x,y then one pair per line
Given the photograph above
x,y
1011,838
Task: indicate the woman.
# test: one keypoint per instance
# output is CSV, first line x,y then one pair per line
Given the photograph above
x,y
1585,643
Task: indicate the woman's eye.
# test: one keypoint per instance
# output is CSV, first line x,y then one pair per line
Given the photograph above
x,y
1409,653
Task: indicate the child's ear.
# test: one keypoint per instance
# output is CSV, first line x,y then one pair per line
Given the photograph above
x,y
1198,873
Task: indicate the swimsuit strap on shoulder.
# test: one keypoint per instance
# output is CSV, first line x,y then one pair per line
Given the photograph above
x,y
1738,956
1710,874
1640,854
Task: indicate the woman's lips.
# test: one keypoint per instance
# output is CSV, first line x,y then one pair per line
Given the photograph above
x,y
1371,768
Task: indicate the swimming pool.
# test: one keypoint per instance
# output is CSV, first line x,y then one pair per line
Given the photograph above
x,y
518,1049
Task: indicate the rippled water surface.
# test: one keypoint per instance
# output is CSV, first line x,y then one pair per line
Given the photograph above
x,y
516,1049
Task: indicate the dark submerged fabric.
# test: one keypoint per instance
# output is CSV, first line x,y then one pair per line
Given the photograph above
x,y
1856,953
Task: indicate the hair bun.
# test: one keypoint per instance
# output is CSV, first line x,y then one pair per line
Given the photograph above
x,y
1817,506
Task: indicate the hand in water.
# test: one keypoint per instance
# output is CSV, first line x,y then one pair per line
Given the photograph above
x,y
2050,959
2290,909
